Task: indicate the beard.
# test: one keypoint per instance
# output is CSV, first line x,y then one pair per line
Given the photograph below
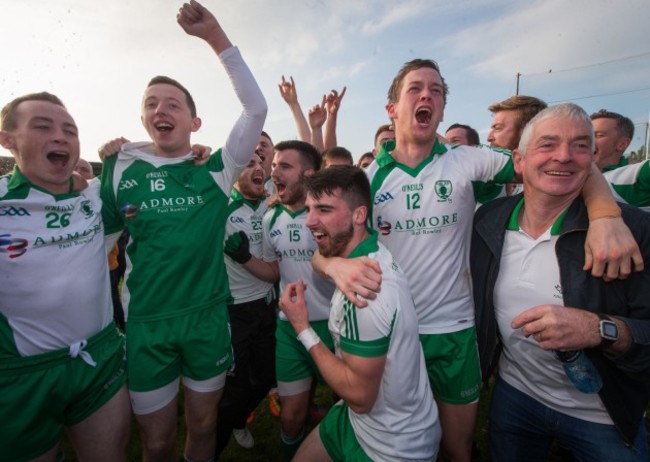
x,y
337,243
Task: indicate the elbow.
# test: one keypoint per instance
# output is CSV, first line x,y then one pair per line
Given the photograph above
x,y
363,405
259,110
262,110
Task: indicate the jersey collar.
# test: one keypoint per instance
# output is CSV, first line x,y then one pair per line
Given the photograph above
x,y
513,222
621,163
367,246
18,180
236,196
385,157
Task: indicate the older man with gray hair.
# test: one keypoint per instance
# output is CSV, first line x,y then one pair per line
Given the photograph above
x,y
531,291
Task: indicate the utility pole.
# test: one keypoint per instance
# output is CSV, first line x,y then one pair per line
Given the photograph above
x,y
517,88
647,137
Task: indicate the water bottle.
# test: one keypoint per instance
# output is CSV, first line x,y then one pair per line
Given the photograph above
x,y
580,370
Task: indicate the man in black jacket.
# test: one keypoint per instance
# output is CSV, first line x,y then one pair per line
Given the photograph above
x,y
535,304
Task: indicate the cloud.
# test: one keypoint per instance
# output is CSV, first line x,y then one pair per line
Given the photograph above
x,y
553,34
391,17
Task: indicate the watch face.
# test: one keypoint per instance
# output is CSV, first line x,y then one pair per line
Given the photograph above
x,y
608,330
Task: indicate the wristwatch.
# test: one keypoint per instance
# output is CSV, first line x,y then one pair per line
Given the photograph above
x,y
608,329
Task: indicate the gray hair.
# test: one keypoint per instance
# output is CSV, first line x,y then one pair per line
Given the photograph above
x,y
561,111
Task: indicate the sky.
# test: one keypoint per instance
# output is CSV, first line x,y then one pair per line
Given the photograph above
x,y
98,56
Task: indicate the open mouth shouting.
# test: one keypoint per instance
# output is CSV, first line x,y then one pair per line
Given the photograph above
x,y
280,187
58,159
319,236
258,179
423,115
163,127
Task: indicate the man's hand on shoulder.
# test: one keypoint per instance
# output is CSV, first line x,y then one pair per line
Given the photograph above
x,y
112,147
79,183
358,278
611,252
201,153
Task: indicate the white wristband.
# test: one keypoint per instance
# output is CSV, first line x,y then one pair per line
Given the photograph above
x,y
308,338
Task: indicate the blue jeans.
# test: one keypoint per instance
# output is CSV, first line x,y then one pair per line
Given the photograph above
x,y
523,429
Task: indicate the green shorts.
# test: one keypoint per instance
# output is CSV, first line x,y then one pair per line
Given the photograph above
x,y
41,394
292,361
337,435
194,345
453,365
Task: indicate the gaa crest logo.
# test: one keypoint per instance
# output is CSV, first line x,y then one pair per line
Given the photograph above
x,y
443,189
87,209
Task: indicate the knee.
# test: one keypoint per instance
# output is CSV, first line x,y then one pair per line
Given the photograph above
x,y
292,420
160,447
203,424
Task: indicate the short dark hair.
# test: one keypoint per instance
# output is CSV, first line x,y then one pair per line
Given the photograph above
x,y
169,81
365,155
526,108
309,156
266,135
8,113
338,152
396,86
350,180
624,125
382,129
472,135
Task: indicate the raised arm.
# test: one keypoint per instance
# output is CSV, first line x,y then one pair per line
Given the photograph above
x,y
610,249
333,101
317,117
289,94
196,20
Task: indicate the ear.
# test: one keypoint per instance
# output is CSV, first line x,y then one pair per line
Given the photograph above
x,y
390,109
622,144
517,161
360,215
309,172
7,141
196,124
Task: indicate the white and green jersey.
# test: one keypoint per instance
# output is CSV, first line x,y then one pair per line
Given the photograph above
x,y
55,289
246,215
288,241
403,422
176,212
424,216
631,184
